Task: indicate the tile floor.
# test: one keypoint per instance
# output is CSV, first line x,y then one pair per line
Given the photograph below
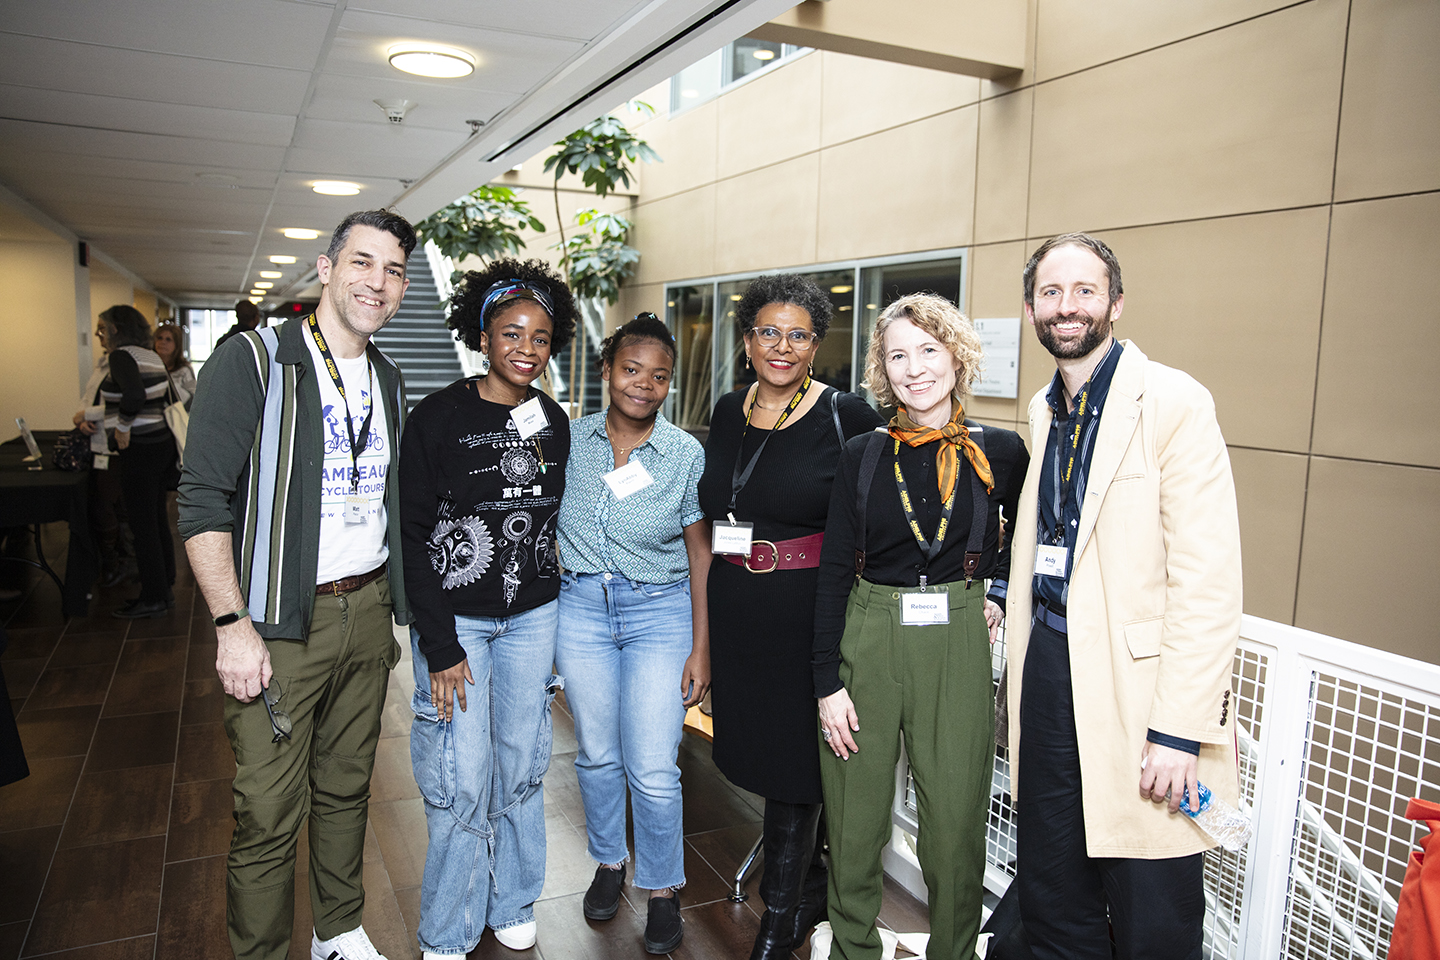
x,y
114,847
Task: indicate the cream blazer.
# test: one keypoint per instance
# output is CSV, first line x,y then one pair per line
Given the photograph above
x,y
1154,605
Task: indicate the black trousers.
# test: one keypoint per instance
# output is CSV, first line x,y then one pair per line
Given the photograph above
x,y
1156,908
148,469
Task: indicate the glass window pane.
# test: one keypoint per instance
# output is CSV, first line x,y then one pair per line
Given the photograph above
x,y
689,314
696,83
749,56
732,373
882,286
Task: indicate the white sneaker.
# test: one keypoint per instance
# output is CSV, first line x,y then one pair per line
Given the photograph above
x,y
354,945
519,937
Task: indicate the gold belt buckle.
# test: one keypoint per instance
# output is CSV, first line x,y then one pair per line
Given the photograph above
x,y
774,556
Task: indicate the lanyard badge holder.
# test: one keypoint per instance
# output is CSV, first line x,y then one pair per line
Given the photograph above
x,y
737,537
925,605
355,504
1053,559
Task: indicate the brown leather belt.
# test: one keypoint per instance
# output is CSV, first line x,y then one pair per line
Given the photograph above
x,y
349,584
802,553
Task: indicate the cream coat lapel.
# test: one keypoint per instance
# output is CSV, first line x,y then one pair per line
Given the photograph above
x,y
1117,425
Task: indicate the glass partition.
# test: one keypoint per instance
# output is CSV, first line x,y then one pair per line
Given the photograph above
x,y
690,314
882,285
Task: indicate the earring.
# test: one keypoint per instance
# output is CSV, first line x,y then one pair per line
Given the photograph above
x,y
747,361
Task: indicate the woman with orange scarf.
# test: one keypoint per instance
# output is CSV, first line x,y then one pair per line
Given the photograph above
x,y
903,626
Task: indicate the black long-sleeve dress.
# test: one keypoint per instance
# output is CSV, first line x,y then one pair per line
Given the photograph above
x,y
762,625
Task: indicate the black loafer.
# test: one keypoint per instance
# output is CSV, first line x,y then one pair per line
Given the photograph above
x,y
664,929
139,609
603,897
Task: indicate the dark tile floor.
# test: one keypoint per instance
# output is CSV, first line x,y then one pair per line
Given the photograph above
x,y
114,847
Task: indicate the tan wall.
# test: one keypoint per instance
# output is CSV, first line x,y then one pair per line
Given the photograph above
x,y
1268,174
38,379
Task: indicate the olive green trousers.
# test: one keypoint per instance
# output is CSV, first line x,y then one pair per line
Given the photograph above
x,y
932,686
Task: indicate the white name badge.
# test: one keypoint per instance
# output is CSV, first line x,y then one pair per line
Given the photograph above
x,y
355,505
923,606
101,461
733,537
626,480
529,418
1050,560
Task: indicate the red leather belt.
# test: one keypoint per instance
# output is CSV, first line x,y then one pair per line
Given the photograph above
x,y
348,584
802,553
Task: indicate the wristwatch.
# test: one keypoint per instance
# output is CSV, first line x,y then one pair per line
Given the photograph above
x,y
225,619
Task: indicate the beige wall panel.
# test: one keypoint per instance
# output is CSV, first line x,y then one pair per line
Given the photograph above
x,y
861,95
909,188
1367,566
1270,493
1390,121
146,303
994,291
1002,166
1238,120
1379,352
107,288
38,379
1235,303
772,118
676,236
1075,34
686,145
766,219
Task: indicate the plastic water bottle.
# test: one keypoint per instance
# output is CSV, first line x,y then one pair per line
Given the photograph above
x,y
1225,824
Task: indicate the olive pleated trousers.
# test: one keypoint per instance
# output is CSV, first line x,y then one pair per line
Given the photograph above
x,y
932,685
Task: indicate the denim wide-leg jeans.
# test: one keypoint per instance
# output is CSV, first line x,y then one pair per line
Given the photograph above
x,y
623,646
482,778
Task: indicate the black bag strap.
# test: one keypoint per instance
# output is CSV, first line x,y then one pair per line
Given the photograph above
x,y
835,413
868,462
980,512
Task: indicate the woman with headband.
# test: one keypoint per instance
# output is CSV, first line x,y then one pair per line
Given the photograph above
x,y
482,470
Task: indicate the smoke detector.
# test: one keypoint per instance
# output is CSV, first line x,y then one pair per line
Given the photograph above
x,y
395,110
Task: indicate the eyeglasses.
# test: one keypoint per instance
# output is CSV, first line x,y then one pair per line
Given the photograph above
x,y
280,721
799,339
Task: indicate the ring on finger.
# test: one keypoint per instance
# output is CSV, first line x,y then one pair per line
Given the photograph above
x,y
826,735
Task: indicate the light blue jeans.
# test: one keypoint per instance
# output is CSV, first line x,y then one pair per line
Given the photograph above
x,y
482,778
624,645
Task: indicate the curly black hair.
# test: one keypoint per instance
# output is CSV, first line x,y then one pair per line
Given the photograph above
x,y
467,303
792,288
645,326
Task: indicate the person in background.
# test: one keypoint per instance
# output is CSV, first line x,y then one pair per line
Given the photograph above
x,y
483,468
769,463
247,317
106,499
634,641
170,347
903,627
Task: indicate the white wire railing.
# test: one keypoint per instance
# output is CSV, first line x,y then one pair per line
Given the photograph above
x,y
1334,738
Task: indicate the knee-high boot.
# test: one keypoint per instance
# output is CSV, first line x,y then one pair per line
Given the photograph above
x,y
789,843
814,890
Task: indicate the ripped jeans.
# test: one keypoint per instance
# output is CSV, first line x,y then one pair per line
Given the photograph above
x,y
481,776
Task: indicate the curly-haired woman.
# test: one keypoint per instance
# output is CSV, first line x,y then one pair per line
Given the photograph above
x,y
769,463
482,468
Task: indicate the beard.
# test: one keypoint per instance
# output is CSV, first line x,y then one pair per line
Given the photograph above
x,y
1096,333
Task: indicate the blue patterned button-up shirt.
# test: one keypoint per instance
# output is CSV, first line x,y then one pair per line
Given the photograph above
x,y
640,537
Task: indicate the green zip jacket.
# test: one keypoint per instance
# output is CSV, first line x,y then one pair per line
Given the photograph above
x,y
253,460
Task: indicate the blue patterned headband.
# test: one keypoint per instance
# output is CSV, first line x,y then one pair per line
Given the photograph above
x,y
504,291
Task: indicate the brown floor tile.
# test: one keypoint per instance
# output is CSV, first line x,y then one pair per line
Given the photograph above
x,y
136,948
192,911
710,801
724,850
148,656
119,805
704,881
204,702
409,901
900,910
16,706
399,826
202,627
563,727
139,741
394,778
562,789
719,929
396,719
20,676
12,935
105,892
73,686
568,868
201,664
39,608
157,692
28,642
26,855
382,919
563,933
205,754
201,820
42,798
176,623
57,732
84,650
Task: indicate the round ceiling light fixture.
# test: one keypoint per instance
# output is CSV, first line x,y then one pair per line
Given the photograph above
x,y
271,274
763,54
428,60
281,258
335,188
300,233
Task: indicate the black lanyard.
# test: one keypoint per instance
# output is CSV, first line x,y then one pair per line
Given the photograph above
x,y
929,549
739,478
1066,482
357,444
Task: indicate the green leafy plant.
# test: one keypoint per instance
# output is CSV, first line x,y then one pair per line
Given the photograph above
x,y
601,153
485,223
598,257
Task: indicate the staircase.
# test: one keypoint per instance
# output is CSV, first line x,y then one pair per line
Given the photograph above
x,y
417,338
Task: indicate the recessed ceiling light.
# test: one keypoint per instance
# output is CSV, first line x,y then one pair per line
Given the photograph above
x,y
846,307
335,188
263,284
300,233
763,54
869,306
428,60
257,293
669,303
281,258
841,288
734,296
271,274
256,299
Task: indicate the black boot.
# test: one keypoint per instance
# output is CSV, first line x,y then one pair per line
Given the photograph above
x,y
814,891
789,850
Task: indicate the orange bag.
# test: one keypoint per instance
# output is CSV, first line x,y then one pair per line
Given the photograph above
x,y
1417,917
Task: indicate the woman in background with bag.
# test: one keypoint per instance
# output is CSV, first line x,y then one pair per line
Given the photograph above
x,y
170,348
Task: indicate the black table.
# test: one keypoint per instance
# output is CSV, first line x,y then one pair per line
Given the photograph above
x,y
29,498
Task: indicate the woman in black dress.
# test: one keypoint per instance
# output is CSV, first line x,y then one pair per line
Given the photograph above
x,y
769,462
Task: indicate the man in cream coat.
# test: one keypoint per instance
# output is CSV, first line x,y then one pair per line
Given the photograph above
x,y
1124,611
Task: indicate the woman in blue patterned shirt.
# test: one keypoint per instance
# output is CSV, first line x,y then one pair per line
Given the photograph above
x,y
634,640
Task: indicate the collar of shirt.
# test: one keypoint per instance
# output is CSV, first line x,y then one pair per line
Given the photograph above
x,y
662,440
1099,384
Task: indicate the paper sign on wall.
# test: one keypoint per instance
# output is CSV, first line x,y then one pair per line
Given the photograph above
x,y
1000,337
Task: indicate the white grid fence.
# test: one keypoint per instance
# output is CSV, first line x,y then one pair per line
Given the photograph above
x,y
1334,739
